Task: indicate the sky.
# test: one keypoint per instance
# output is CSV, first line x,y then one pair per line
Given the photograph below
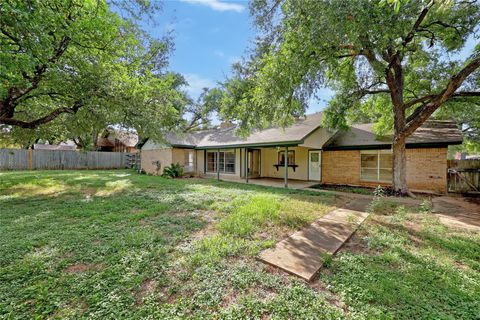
x,y
209,36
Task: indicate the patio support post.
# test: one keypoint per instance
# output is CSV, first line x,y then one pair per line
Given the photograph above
x,y
246,165
286,167
218,164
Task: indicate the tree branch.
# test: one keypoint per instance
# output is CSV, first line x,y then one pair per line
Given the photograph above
x,y
423,99
47,118
422,113
409,37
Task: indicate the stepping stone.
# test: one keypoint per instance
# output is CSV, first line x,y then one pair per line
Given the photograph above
x,y
302,253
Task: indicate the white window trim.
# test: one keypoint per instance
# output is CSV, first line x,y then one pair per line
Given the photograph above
x,y
189,165
378,152
216,161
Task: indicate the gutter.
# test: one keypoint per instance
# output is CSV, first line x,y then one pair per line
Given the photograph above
x,y
247,145
389,146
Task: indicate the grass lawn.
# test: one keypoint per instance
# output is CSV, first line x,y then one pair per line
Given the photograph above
x,y
115,244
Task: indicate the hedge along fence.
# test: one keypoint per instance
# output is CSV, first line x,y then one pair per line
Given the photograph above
x,y
21,159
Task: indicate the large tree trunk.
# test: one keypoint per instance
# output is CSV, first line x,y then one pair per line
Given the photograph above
x,y
399,165
399,152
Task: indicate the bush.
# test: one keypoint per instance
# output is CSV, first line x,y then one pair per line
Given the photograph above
x,y
426,206
173,171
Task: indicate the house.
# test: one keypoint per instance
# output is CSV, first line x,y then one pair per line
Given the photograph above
x,y
117,140
68,145
309,152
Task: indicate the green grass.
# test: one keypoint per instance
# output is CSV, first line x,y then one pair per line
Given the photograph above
x,y
92,243
406,265
118,245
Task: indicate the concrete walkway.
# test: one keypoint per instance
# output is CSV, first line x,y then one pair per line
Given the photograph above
x,y
458,212
303,252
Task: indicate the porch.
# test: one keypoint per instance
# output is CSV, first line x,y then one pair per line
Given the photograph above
x,y
278,166
275,182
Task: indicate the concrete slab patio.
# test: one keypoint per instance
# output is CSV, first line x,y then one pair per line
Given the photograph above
x,y
458,212
274,182
302,253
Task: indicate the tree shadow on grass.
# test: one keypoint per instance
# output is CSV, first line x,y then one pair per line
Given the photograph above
x,y
463,247
407,281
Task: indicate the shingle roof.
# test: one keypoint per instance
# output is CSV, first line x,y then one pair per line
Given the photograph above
x,y
432,132
220,138
359,135
274,135
61,146
115,135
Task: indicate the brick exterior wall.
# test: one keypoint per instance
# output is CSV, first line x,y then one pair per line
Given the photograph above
x,y
426,169
341,167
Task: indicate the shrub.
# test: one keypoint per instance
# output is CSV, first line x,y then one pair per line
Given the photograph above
x,y
175,170
379,204
426,206
379,192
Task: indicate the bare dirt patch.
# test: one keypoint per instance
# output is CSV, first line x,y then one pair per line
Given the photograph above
x,y
230,298
356,244
82,267
147,287
89,191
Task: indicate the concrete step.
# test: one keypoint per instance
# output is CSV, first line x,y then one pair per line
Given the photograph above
x,y
303,252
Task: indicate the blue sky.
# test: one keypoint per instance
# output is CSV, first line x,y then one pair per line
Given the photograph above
x,y
209,36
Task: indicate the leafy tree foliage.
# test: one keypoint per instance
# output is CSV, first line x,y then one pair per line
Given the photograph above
x,y
394,59
70,68
202,110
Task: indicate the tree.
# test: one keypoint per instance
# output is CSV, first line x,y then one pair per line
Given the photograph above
x,y
398,59
201,111
70,68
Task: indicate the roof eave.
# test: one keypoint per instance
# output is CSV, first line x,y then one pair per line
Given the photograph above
x,y
253,145
442,144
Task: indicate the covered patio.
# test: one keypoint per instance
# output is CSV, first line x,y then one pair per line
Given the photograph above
x,y
275,182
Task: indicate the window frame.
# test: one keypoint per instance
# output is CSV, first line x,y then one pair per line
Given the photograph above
x,y
378,153
280,152
222,161
189,166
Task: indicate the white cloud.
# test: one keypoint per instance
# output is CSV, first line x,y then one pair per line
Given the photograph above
x,y
219,53
196,84
218,5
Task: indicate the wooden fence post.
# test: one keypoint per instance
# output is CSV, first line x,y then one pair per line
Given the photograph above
x,y
30,159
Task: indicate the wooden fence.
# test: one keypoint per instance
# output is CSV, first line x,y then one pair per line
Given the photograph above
x,y
464,176
21,159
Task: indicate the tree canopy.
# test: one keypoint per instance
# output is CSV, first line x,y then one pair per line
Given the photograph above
x,y
306,45
69,68
398,64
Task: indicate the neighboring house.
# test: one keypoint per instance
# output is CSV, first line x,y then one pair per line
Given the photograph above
x,y
307,151
69,145
465,156
116,140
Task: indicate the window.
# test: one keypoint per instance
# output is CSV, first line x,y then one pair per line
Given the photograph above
x,y
188,161
376,165
226,163
291,157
